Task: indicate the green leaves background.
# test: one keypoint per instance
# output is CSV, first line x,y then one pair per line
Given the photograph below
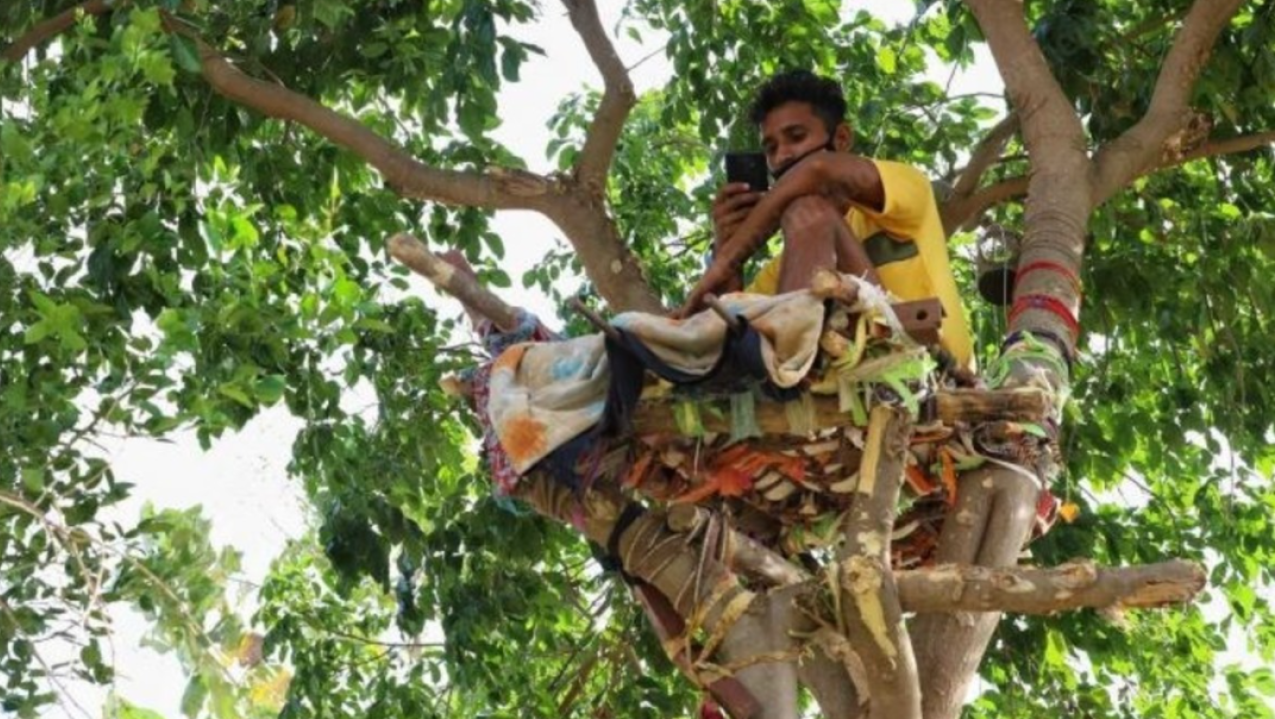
x,y
170,261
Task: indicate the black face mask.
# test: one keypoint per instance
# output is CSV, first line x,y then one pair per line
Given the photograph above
x,y
778,172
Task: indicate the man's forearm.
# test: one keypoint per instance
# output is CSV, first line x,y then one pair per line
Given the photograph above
x,y
840,175
735,283
853,178
837,175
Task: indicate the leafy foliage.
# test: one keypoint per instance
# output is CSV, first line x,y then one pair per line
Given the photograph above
x,y
170,260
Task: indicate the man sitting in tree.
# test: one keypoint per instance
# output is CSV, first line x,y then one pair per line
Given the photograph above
x,y
870,218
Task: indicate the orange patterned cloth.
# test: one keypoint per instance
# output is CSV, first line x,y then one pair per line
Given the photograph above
x,y
543,395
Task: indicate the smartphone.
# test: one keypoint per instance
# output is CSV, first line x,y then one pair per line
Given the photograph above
x,y
749,167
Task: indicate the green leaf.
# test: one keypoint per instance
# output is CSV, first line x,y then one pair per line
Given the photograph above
x,y
185,53
238,394
1055,648
374,49
270,389
193,697
146,20
37,332
245,233
118,708
887,60
330,12
347,292
510,60
157,68
1034,429
33,479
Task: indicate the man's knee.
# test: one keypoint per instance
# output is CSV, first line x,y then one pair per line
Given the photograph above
x,y
809,211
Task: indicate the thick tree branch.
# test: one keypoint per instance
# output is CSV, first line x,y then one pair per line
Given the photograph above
x,y
409,177
583,215
994,512
618,96
1046,118
749,633
613,269
828,679
964,212
1030,590
868,596
985,154
1060,180
1140,147
1230,145
52,27
413,253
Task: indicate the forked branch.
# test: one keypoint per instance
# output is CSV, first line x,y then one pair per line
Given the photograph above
x,y
618,96
1139,149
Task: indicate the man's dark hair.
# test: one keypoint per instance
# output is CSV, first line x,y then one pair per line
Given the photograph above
x,y
824,96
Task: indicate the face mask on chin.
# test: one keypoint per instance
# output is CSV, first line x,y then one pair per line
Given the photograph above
x,y
778,172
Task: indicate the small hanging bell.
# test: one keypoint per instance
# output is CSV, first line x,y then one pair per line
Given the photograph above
x,y
996,259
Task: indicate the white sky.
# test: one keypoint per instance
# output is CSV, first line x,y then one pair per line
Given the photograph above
x,y
242,484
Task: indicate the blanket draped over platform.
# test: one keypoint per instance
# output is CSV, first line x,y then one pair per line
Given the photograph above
x,y
543,395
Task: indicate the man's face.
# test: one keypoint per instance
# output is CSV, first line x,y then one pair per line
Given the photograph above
x,y
792,130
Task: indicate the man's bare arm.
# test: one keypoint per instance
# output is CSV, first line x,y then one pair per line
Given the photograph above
x,y
842,177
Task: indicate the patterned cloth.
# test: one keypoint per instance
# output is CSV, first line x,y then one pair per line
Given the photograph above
x,y
542,396
529,329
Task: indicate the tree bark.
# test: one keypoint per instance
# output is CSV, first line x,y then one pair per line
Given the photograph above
x,y
741,625
578,212
964,212
618,98
1142,146
961,210
414,254
612,268
54,26
994,513
869,599
995,508
1025,590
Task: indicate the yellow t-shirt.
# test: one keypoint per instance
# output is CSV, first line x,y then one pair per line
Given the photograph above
x,y
907,244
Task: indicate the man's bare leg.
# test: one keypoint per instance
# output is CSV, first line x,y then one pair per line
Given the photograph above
x,y
816,236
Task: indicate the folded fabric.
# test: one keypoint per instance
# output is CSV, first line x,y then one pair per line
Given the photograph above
x,y
541,396
789,325
496,341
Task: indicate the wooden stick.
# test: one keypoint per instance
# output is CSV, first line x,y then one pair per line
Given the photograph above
x,y
446,277
1033,590
869,598
594,318
950,406
716,305
746,554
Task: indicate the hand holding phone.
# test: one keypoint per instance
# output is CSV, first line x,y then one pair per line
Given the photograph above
x,y
746,180
749,168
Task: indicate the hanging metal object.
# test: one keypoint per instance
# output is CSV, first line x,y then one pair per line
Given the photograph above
x,y
996,259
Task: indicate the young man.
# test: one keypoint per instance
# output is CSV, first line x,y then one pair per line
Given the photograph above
x,y
871,218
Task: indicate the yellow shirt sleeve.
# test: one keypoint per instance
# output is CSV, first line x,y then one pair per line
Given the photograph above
x,y
766,282
909,215
904,215
909,201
